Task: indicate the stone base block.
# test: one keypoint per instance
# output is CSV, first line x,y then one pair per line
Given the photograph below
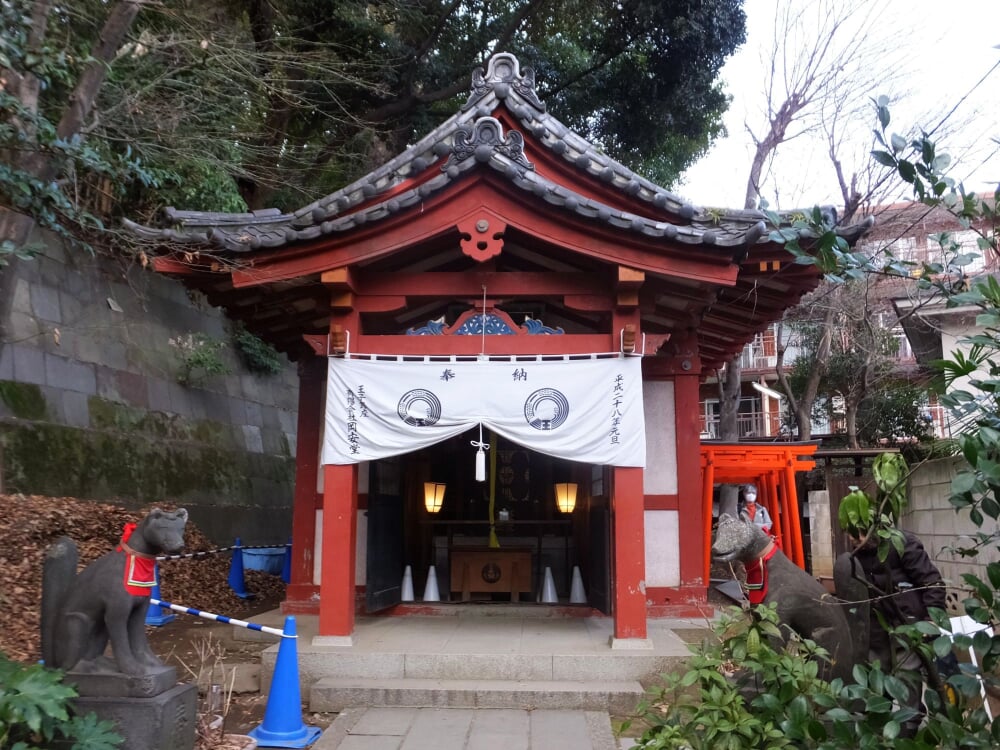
x,y
163,722
117,685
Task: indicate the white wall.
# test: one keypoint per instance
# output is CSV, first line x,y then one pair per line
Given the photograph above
x,y
660,478
660,475
663,562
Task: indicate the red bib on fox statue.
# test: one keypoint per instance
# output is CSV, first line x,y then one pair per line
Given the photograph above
x,y
140,569
757,578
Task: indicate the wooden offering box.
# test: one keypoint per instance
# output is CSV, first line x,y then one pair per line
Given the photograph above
x,y
489,570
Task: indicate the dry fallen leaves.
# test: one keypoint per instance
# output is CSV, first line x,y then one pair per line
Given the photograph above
x,y
30,523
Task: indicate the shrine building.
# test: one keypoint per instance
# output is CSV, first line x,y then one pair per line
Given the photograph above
x,y
500,335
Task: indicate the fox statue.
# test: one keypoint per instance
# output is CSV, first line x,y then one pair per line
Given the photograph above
x,y
107,601
802,604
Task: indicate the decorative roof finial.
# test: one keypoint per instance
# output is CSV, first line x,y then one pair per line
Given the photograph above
x,y
482,139
503,73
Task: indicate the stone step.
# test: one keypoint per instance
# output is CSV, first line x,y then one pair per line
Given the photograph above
x,y
518,667
337,693
463,610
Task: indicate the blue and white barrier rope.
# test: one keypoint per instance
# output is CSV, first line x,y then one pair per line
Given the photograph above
x,y
206,553
219,618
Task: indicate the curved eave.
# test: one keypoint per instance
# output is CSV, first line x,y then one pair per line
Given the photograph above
x,y
274,230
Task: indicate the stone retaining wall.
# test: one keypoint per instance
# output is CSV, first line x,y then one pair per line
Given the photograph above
x,y
91,406
930,516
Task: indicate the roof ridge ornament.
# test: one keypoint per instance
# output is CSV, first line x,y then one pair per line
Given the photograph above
x,y
503,73
483,138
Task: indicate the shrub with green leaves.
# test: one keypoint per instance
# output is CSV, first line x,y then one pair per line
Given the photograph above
x,y
35,712
972,374
258,356
749,689
862,516
200,358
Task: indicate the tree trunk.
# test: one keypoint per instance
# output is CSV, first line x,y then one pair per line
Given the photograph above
x,y
81,100
851,420
729,427
803,415
730,406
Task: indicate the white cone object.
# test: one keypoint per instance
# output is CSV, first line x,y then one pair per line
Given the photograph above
x,y
431,589
549,588
576,593
407,593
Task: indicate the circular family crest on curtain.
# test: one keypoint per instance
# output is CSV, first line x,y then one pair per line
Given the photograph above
x,y
419,408
546,409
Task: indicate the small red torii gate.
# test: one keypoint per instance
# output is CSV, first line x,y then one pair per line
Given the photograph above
x,y
772,467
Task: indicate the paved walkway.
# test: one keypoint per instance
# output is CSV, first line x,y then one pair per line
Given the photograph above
x,y
468,729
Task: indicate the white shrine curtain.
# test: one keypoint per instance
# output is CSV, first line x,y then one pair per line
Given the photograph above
x,y
588,410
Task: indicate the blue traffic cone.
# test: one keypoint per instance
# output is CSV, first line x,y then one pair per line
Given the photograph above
x,y
286,567
236,582
157,616
282,725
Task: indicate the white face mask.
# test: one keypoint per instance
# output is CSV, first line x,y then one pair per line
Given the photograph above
x,y
751,497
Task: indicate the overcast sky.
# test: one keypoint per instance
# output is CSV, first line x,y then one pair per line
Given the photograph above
x,y
945,48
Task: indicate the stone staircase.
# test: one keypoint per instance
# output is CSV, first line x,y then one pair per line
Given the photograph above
x,y
517,660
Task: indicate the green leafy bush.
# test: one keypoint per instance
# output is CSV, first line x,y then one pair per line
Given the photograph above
x,y
34,712
974,404
258,356
200,359
748,689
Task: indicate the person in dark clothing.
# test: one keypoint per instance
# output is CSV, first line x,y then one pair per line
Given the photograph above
x,y
902,589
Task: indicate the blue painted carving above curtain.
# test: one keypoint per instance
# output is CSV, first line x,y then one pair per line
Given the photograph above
x,y
495,322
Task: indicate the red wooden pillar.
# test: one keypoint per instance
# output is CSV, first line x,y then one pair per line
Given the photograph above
x,y
301,593
794,525
630,554
340,513
768,494
340,502
628,501
708,493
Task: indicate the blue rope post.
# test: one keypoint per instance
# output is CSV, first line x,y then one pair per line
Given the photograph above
x,y
286,567
157,615
236,580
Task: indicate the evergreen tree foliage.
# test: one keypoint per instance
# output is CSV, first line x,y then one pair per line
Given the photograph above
x,y
229,105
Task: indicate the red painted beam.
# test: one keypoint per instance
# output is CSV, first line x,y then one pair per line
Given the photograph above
x,y
465,283
442,212
473,345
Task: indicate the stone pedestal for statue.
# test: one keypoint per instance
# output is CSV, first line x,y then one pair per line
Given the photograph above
x,y
106,603
151,711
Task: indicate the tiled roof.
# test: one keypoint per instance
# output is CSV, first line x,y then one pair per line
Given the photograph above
x,y
473,137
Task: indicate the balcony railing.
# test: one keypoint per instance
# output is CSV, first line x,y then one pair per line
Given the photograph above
x,y
756,360
755,424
